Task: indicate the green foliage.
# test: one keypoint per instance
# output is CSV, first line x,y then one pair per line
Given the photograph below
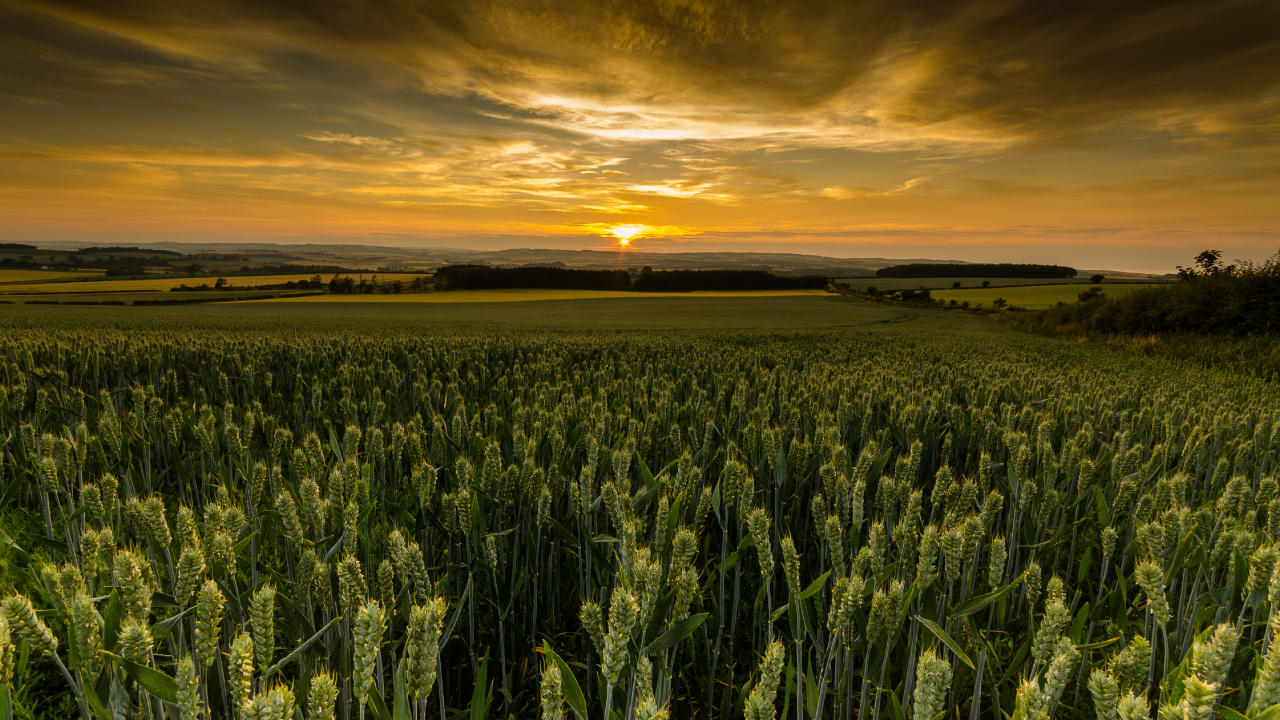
x,y
1226,300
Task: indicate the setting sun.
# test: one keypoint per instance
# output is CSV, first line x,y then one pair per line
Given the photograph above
x,y
625,233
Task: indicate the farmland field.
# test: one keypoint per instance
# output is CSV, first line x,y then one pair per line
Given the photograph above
x,y
887,283
630,508
535,294
1030,296
20,275
617,311
128,297
891,284
164,284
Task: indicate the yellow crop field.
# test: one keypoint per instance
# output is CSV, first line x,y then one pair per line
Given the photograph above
x,y
525,295
1032,297
19,275
164,284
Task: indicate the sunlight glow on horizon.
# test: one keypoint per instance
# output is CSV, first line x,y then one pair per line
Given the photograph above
x,y
625,233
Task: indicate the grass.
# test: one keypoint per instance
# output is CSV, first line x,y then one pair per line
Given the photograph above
x,y
1032,297
19,275
535,294
164,284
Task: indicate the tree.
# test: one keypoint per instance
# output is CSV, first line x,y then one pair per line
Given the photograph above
x,y
220,283
1210,264
955,285
1097,278
986,283
1210,261
1092,293
998,303
922,295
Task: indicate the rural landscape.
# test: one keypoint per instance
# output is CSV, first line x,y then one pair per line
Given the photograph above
x,y
810,503
639,360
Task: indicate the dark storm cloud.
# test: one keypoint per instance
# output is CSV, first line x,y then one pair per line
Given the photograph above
x,y
1074,65
856,73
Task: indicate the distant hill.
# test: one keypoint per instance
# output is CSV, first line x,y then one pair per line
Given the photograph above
x,y
385,258
777,263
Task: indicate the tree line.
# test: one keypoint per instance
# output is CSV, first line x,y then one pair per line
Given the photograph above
x,y
483,277
987,270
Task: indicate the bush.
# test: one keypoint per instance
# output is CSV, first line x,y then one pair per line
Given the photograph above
x,y
919,295
1235,300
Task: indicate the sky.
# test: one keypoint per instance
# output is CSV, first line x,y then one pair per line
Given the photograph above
x,y
1128,135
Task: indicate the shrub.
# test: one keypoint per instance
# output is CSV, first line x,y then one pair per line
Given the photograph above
x,y
1242,299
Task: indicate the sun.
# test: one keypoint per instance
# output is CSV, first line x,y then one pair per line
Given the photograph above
x,y
625,233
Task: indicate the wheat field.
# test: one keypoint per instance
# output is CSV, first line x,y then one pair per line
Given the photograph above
x,y
246,519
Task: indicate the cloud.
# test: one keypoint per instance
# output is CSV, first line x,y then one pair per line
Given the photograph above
x,y
739,115
857,74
